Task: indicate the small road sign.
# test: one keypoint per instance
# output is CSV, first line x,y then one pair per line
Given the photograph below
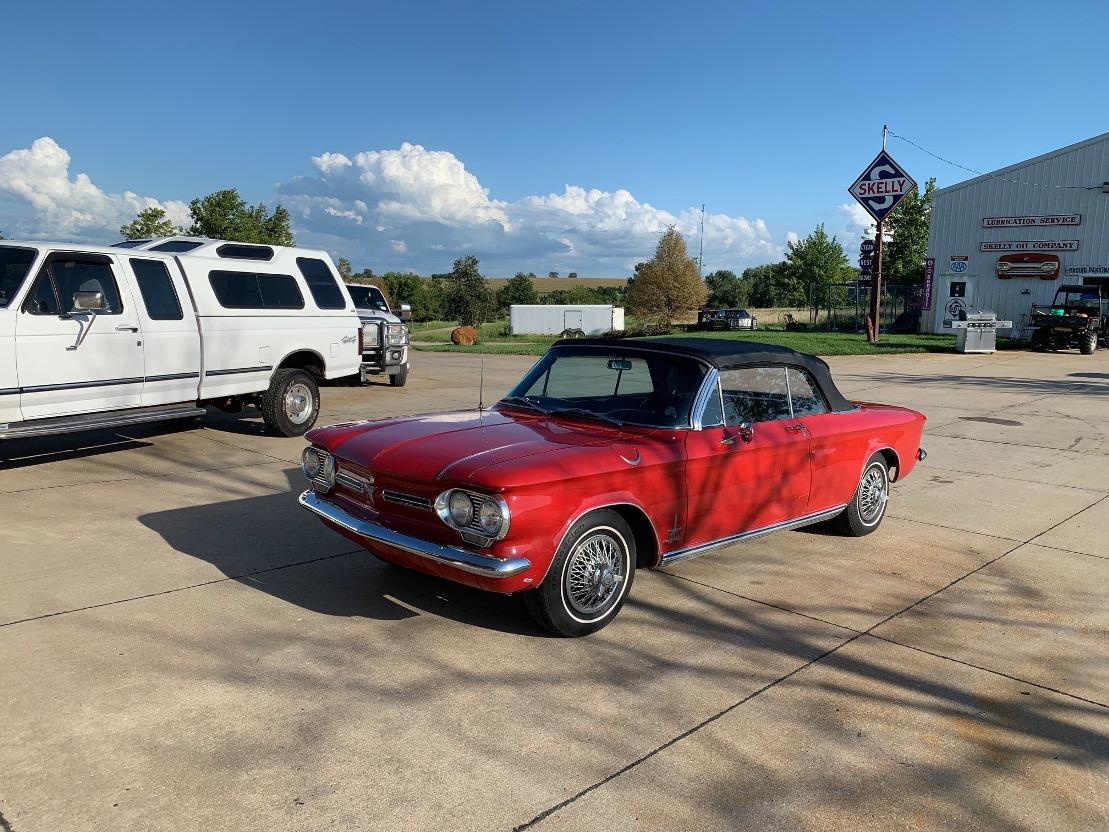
x,y
865,263
866,246
881,186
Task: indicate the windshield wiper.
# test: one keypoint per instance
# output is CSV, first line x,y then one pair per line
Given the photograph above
x,y
589,414
521,401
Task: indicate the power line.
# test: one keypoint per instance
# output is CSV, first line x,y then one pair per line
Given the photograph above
x,y
979,173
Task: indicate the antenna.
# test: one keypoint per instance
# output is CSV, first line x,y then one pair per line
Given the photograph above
x,y
481,382
701,242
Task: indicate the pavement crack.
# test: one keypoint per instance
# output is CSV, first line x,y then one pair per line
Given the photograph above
x,y
224,579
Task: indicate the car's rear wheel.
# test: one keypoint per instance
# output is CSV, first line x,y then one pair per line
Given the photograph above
x,y
589,578
868,504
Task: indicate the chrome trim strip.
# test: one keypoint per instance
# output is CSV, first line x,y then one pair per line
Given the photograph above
x,y
172,376
472,562
403,499
796,523
260,369
700,402
96,421
73,385
9,391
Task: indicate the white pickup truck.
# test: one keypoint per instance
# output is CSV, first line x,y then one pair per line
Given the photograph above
x,y
94,337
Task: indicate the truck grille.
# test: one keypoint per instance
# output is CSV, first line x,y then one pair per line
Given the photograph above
x,y
410,500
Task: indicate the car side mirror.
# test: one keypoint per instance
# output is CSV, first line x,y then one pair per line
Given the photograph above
x,y
88,302
405,312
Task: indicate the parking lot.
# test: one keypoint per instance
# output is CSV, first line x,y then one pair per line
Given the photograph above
x,y
182,647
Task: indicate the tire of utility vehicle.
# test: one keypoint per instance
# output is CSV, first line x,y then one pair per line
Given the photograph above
x,y
868,504
291,404
1087,343
401,378
1039,341
589,578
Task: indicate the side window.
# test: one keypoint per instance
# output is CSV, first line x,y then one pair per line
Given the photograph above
x,y
806,399
713,416
249,290
61,278
321,283
754,394
156,288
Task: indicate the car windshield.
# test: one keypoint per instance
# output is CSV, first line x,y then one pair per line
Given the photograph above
x,y
1086,298
368,297
612,385
14,265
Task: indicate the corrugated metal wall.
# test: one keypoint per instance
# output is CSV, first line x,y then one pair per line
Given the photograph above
x,y
1026,189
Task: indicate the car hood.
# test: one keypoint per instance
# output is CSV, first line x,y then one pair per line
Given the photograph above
x,y
365,315
455,445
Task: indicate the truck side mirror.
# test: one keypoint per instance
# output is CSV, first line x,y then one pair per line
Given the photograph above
x,y
88,302
405,312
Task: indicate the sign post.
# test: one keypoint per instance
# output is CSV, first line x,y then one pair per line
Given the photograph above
x,y
879,189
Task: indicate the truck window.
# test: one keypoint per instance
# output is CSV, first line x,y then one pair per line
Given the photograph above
x,y
14,265
250,290
156,287
368,297
65,275
176,246
321,283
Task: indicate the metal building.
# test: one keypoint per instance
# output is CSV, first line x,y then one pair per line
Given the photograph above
x,y
1008,239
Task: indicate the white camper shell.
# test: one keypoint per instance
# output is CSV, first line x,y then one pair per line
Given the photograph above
x,y
94,336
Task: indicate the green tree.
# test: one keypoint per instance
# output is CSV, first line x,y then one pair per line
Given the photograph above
x,y
466,294
726,290
518,290
667,286
764,284
346,270
224,215
811,265
908,223
150,222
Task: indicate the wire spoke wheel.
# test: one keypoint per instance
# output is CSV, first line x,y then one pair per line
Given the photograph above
x,y
594,573
873,494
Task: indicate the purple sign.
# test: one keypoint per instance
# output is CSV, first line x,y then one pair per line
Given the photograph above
x,y
929,280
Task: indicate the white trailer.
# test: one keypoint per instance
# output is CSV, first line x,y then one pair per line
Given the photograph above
x,y
555,318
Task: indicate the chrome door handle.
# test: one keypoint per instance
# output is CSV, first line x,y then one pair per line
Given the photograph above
x,y
728,440
797,429
125,328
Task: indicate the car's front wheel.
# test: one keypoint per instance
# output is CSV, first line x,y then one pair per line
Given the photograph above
x,y
401,378
868,505
291,405
590,576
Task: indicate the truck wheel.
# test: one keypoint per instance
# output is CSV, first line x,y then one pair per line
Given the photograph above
x,y
291,404
589,578
1039,341
868,504
1087,343
401,378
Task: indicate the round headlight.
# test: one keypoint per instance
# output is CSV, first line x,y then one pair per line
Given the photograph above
x,y
310,463
461,509
489,517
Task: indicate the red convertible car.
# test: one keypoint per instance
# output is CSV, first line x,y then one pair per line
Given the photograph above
x,y
608,455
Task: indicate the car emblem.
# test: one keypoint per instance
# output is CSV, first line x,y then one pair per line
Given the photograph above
x,y
634,460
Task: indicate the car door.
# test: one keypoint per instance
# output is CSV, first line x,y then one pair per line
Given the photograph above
x,y
71,361
171,341
748,467
837,446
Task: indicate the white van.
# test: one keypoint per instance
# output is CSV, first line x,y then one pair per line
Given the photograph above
x,y
94,337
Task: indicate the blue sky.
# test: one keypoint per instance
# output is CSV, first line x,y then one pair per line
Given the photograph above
x,y
765,112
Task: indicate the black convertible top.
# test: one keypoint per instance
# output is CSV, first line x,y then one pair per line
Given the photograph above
x,y
726,354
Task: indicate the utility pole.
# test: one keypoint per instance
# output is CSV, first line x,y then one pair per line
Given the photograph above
x,y
701,242
874,320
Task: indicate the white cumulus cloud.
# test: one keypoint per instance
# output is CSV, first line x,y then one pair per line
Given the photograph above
x,y
39,198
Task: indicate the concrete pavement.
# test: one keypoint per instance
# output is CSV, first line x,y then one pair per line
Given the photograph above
x,y
181,646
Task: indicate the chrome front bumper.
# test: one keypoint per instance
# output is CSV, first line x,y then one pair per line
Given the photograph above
x,y
473,562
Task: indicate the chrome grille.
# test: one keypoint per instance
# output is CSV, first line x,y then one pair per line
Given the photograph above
x,y
410,500
371,334
351,482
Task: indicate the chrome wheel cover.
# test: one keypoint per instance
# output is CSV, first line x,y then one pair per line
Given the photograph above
x,y
873,494
298,403
594,573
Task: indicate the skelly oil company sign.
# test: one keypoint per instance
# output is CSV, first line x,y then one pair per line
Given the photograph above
x,y
1023,222
1031,245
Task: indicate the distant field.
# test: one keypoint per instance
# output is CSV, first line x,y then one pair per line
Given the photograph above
x,y
550,284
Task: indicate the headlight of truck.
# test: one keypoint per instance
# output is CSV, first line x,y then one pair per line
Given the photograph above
x,y
396,335
371,334
1048,267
